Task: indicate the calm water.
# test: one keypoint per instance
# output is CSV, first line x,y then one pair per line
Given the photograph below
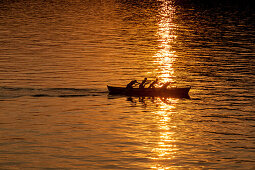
x,y
58,56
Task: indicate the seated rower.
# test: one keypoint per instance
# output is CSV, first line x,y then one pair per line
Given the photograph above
x,y
141,86
152,85
165,85
130,85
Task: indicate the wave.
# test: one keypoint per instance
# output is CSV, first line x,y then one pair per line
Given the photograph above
x,y
14,92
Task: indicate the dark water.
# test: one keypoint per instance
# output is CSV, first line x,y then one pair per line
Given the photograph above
x,y
58,56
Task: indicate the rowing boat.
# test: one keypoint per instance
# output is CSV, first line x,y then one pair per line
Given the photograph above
x,y
156,92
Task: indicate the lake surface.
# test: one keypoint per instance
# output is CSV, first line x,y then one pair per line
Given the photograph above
x,y
57,57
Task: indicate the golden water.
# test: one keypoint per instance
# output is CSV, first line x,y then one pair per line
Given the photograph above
x,y
57,58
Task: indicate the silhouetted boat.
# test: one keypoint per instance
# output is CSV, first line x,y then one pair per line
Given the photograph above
x,y
156,92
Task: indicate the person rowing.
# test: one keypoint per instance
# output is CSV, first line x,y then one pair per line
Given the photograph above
x,y
144,82
152,85
130,85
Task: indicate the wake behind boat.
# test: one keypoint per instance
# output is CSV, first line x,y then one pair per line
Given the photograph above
x,y
153,92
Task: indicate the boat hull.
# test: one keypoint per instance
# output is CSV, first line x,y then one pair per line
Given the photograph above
x,y
156,92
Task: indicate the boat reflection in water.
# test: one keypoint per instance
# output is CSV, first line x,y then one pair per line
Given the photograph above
x,y
157,101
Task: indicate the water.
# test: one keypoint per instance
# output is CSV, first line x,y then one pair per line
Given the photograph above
x,y
57,58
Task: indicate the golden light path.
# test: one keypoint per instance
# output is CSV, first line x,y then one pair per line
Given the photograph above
x,y
165,57
165,149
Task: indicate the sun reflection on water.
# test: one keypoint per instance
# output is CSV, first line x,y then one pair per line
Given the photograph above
x,y
164,59
165,149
